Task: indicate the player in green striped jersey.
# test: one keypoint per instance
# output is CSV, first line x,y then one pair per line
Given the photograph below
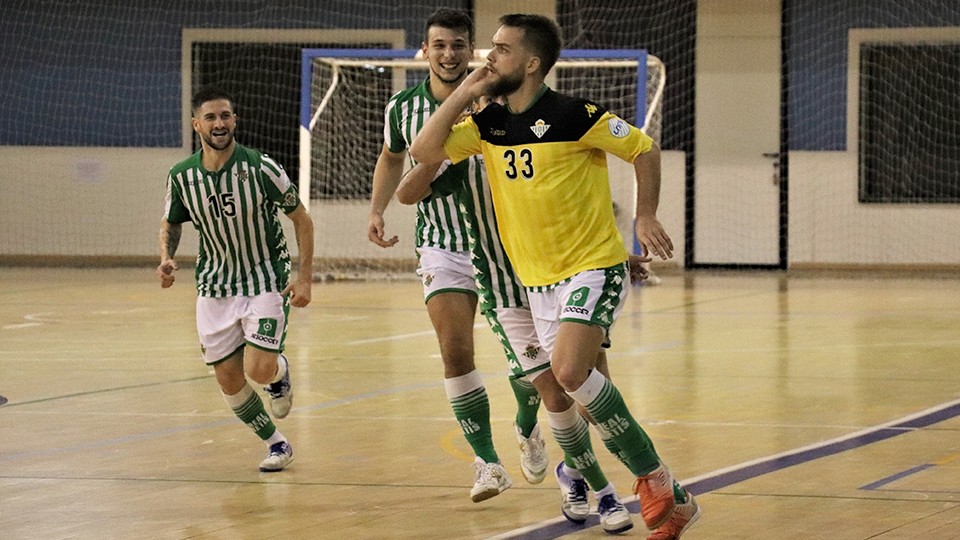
x,y
231,195
442,244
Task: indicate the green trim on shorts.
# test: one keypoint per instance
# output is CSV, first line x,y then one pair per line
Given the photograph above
x,y
542,367
452,289
215,362
512,359
255,346
606,330
614,280
286,324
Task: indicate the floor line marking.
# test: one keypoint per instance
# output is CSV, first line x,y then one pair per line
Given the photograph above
x,y
894,477
734,474
397,337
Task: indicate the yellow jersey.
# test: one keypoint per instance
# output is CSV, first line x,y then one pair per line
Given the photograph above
x,y
547,169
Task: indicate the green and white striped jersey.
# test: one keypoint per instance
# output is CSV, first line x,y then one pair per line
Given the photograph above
x,y
243,251
439,223
497,283
458,214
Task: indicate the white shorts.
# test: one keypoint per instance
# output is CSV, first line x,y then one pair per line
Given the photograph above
x,y
517,333
226,324
442,270
592,297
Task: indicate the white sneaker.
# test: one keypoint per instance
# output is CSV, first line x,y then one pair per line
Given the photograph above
x,y
533,455
573,497
491,480
614,517
281,454
281,393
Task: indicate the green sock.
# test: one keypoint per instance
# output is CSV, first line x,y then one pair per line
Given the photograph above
x,y
611,445
604,402
572,433
471,407
248,407
528,404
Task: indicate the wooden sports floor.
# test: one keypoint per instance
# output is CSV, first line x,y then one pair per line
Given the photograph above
x,y
800,407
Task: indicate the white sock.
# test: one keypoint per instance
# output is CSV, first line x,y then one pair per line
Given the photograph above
x,y
464,384
590,389
238,399
601,493
564,420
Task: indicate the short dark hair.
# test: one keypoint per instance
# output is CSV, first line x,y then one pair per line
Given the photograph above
x,y
540,34
450,19
211,92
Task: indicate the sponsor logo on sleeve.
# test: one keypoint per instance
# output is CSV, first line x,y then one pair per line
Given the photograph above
x,y
618,128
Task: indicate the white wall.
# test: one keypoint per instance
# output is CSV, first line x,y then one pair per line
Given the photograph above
x,y
108,202
83,201
828,226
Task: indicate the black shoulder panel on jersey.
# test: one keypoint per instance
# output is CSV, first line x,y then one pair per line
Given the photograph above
x,y
553,118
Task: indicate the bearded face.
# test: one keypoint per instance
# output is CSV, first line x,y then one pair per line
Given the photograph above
x,y
216,123
507,84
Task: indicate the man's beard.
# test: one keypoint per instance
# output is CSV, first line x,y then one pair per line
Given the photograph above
x,y
209,140
506,85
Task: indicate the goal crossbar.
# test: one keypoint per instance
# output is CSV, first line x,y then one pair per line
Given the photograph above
x,y
310,110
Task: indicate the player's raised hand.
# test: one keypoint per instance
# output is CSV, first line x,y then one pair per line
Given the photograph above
x,y
375,232
165,273
478,82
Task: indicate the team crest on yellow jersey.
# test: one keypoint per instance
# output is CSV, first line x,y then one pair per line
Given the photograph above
x,y
539,128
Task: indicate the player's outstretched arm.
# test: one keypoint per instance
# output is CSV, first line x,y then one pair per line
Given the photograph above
x,y
299,289
650,232
169,242
386,178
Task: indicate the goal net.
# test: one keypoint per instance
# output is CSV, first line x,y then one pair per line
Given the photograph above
x,y
343,95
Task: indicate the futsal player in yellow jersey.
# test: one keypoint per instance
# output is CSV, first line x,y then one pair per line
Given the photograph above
x,y
545,158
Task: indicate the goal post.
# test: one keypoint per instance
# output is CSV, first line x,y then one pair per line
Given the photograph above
x,y
343,95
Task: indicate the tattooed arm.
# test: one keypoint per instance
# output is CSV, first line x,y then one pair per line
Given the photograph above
x,y
169,242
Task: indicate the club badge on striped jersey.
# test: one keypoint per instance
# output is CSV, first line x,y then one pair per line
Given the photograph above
x,y
539,128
